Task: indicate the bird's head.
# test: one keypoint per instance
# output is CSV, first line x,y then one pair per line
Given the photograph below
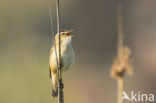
x,y
66,36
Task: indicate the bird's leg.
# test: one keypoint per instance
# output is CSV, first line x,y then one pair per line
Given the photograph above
x,y
61,65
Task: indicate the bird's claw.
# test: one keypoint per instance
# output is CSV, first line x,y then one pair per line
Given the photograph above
x,y
62,86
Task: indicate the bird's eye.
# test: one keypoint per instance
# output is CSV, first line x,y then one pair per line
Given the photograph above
x,y
63,33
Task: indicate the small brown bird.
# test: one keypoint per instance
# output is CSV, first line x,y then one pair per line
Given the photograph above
x,y
67,57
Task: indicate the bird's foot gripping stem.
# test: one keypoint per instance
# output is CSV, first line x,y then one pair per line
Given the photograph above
x,y
61,84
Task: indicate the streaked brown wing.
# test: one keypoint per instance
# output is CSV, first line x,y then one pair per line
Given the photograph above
x,y
51,50
50,72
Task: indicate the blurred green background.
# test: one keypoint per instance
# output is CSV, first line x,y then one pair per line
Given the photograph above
x,y
25,42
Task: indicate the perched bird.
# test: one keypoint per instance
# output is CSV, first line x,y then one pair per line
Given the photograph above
x,y
67,57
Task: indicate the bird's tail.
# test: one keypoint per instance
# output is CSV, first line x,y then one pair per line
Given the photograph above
x,y
54,92
54,86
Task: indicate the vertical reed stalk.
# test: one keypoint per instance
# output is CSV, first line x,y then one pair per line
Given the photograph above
x,y
120,89
120,46
58,57
122,63
120,80
120,30
59,71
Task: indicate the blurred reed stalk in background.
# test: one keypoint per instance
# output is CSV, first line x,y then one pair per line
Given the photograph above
x,y
122,63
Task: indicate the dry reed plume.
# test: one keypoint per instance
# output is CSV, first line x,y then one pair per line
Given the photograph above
x,y
122,64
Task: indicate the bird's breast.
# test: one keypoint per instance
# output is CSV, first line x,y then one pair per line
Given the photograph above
x,y
68,58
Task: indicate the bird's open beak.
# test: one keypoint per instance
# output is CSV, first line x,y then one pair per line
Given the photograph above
x,y
70,33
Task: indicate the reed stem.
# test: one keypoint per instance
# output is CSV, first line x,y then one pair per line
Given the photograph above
x,y
120,80
120,30
59,71
120,89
